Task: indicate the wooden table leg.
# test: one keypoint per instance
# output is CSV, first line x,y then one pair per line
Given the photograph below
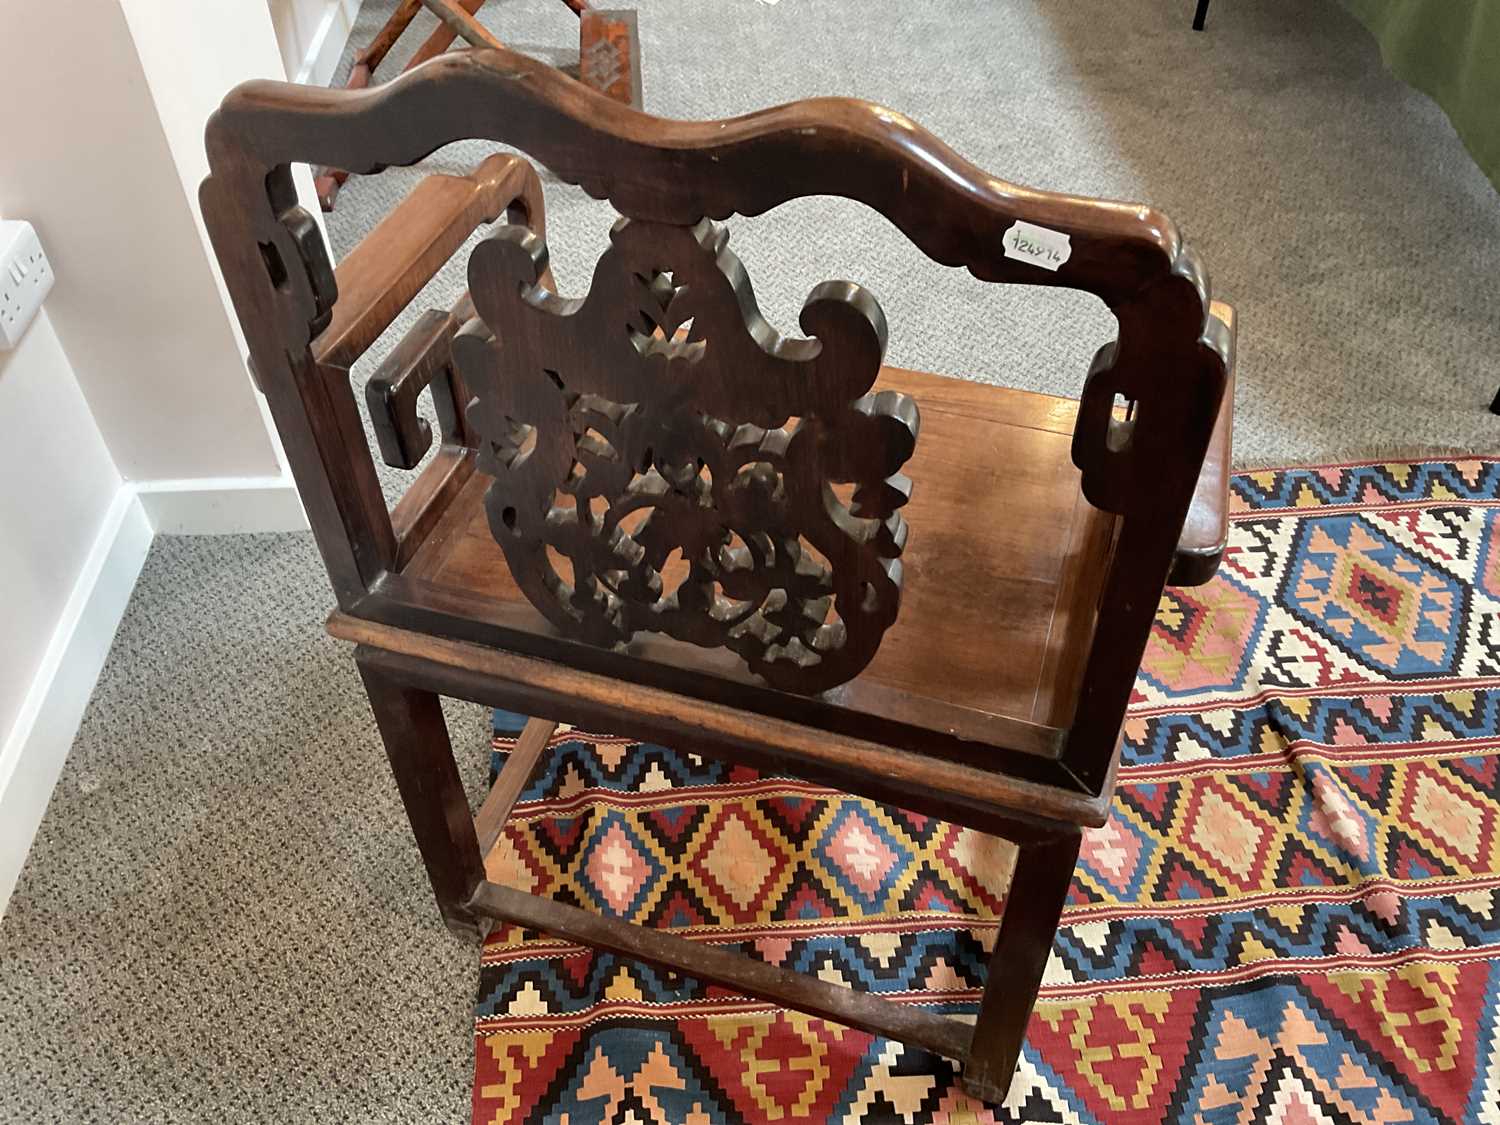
x,y
1033,905
416,742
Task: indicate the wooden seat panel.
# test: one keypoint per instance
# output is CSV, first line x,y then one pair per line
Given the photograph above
x,y
1001,568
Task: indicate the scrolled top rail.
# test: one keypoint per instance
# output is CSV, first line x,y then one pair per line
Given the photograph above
x,y
1147,410
1166,358
680,171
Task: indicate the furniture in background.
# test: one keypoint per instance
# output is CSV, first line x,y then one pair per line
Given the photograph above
x,y
1448,49
609,56
650,512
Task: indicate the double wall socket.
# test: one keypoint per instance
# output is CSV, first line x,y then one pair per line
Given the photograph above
x,y
25,279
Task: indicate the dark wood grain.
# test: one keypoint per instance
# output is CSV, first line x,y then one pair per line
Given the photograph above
x,y
1205,532
380,46
966,793
327,181
460,20
381,275
416,743
679,172
455,18
616,442
1034,901
423,358
423,505
992,534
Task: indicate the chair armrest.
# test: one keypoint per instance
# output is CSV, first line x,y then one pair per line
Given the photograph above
x,y
394,261
414,364
1206,529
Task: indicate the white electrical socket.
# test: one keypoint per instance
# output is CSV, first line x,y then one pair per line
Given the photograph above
x,y
25,279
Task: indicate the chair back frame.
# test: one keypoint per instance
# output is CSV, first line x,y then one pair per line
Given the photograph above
x,y
1168,363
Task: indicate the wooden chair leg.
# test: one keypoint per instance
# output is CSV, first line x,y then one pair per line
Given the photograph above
x,y
1033,905
416,742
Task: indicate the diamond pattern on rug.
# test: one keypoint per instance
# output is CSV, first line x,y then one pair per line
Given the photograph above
x,y
865,858
1204,638
1388,606
738,863
1293,914
617,868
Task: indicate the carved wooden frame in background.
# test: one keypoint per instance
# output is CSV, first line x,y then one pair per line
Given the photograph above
x,y
609,56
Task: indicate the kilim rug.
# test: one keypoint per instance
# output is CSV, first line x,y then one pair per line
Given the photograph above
x,y
1292,916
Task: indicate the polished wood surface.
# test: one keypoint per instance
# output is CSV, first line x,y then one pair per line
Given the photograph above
x,y
1035,544
459,20
1205,532
455,19
1034,899
992,535
416,743
381,275
988,799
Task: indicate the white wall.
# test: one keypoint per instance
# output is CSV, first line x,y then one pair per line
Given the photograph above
x,y
187,86
312,34
127,409
72,541
59,482
135,304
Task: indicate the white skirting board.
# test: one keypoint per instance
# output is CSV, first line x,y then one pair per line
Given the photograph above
x,y
32,754
222,505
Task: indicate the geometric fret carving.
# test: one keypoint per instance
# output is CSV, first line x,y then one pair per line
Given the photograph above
x,y
664,461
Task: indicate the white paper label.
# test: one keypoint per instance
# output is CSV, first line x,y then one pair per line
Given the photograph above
x,y
1027,242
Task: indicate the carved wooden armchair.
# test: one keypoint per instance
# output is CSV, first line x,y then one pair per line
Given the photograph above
x,y
652,513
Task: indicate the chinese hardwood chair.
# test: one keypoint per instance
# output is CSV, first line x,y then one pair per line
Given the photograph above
x,y
651,513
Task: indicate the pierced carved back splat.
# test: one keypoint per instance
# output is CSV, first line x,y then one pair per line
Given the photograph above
x,y
662,417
